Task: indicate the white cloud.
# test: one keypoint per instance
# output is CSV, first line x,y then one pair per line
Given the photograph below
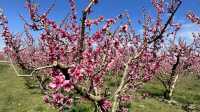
x,y
187,30
1,44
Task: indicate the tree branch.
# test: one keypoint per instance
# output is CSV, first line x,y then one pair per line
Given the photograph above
x,y
4,61
83,92
166,24
117,92
81,40
174,67
30,75
162,81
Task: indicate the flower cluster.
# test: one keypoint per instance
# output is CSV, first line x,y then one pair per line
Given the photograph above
x,y
105,105
81,60
191,16
89,22
60,82
58,100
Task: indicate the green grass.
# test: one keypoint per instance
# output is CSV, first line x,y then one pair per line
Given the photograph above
x,y
187,89
153,105
16,97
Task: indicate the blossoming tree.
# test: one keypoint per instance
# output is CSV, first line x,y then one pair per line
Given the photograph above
x,y
196,36
178,59
78,60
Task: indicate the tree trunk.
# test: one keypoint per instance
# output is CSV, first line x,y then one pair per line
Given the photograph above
x,y
168,92
173,79
172,85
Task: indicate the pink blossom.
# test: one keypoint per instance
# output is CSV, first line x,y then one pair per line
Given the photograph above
x,y
111,64
106,104
77,72
125,98
46,99
68,101
57,98
125,28
67,85
57,82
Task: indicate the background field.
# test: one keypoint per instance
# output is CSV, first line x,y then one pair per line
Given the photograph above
x,y
16,97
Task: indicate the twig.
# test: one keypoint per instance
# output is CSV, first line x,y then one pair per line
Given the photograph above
x,y
50,8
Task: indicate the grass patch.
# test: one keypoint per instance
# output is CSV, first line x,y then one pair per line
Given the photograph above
x,y
153,105
14,95
187,89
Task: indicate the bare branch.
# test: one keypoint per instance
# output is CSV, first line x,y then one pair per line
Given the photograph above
x,y
30,75
4,61
50,8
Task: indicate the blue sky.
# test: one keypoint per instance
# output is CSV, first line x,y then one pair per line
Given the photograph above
x,y
107,8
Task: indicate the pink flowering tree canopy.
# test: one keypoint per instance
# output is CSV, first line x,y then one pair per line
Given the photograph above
x,y
79,58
